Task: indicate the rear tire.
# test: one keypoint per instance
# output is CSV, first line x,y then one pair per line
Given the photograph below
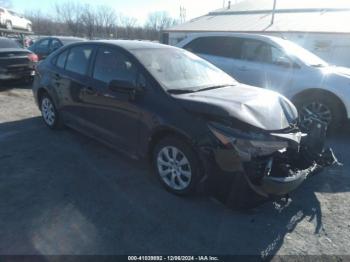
x,y
324,106
49,112
176,165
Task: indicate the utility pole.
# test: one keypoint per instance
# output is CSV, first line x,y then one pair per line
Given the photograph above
x,y
273,12
182,14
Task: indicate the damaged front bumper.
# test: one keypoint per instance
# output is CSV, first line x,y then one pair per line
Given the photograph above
x,y
283,171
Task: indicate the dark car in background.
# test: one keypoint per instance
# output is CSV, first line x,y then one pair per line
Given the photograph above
x,y
45,46
193,121
15,61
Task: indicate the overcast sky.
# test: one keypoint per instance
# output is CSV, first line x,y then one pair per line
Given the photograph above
x,y
135,8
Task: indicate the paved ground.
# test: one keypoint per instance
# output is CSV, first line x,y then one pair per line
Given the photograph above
x,y
62,193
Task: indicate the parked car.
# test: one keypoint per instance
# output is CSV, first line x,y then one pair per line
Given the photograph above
x,y
317,89
191,119
12,20
45,46
15,61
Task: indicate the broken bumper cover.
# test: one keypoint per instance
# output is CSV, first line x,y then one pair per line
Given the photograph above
x,y
283,185
283,171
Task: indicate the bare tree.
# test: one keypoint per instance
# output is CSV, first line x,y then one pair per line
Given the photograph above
x,y
126,26
84,20
6,3
88,21
43,24
69,13
159,20
106,21
126,21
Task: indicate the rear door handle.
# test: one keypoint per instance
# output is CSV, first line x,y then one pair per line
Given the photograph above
x,y
57,77
90,90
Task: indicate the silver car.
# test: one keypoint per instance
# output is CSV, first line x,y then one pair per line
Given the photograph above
x,y
317,88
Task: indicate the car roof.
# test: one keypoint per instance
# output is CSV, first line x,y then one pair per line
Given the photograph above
x,y
132,44
67,38
229,34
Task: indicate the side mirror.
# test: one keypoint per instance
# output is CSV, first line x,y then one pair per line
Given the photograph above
x,y
125,87
284,62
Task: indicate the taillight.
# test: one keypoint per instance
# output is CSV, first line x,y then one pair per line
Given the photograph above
x,y
33,57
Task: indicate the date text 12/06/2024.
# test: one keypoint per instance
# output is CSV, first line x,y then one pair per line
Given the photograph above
x,y
173,258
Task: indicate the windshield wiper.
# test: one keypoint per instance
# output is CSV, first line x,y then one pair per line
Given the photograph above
x,y
180,91
318,65
212,87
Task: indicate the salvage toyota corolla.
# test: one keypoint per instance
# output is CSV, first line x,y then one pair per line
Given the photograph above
x,y
193,120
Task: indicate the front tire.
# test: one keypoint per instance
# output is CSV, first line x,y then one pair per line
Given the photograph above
x,y
49,112
176,165
321,106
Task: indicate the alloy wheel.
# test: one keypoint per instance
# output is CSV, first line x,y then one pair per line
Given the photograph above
x,y
48,111
174,168
314,110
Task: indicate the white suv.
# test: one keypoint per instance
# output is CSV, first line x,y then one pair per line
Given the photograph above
x,y
12,20
317,89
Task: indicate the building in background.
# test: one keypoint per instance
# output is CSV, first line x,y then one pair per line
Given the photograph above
x,y
321,26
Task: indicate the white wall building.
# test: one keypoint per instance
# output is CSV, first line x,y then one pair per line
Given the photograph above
x,y
321,26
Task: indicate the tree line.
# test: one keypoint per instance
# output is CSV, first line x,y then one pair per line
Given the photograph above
x,y
95,22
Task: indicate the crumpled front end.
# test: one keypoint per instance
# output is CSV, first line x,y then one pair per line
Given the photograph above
x,y
274,164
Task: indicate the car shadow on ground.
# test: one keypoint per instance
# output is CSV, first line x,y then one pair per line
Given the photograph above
x,y
63,193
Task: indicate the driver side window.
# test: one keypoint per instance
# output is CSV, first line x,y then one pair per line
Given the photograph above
x,y
111,64
278,57
261,52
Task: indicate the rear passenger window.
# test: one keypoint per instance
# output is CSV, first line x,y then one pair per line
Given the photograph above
x,y
229,47
43,46
61,59
78,59
111,65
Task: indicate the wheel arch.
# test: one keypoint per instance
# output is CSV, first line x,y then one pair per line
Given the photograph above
x,y
163,132
41,91
317,91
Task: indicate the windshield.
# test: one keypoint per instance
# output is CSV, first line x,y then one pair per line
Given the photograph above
x,y
70,41
8,43
178,69
302,54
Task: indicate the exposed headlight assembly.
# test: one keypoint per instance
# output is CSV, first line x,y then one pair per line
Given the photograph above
x,y
248,145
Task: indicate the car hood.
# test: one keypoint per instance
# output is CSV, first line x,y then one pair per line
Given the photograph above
x,y
337,70
258,107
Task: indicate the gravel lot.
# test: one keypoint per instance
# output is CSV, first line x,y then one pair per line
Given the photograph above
x,y
63,193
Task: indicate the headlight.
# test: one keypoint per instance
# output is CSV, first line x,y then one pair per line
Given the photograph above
x,y
248,145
